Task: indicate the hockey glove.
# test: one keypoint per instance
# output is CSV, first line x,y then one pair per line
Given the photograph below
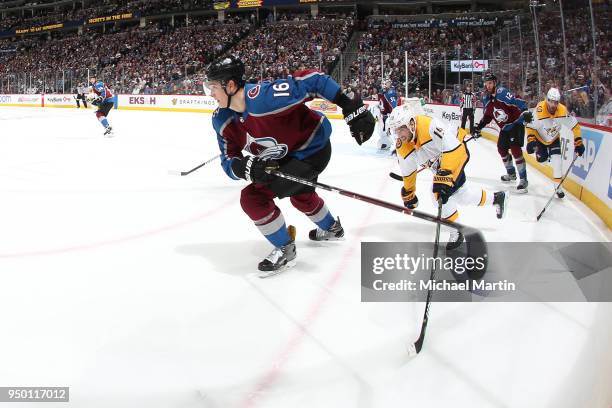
x,y
443,185
578,147
357,116
97,101
531,146
542,154
254,169
410,199
527,117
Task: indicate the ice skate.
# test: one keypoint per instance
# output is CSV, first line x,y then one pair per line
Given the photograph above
x,y
522,187
335,233
500,199
455,240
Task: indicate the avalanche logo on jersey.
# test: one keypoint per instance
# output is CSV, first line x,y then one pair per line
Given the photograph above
x,y
265,148
499,115
253,92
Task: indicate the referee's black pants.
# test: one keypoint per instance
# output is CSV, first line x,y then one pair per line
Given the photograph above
x,y
468,113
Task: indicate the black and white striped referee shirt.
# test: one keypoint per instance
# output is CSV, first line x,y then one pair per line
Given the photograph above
x,y
467,100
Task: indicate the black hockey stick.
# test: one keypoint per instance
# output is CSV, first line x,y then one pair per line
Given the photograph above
x,y
415,348
184,173
398,177
556,189
475,242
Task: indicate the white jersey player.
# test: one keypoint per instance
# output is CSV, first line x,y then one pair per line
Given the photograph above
x,y
384,140
424,141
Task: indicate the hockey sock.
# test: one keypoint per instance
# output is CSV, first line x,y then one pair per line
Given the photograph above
x,y
517,152
273,227
104,121
314,207
323,218
507,159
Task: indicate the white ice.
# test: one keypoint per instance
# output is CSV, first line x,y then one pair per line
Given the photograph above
x,y
137,288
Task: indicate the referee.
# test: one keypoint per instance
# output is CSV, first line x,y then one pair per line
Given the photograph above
x,y
80,95
468,99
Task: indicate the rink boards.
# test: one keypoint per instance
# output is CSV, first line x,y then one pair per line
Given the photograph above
x,y
590,179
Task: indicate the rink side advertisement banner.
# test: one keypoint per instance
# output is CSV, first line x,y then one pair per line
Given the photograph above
x,y
513,272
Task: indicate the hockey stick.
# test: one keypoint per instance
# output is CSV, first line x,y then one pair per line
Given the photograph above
x,y
556,189
184,173
398,177
415,348
475,242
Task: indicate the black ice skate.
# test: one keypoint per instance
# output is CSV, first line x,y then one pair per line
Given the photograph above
x,y
109,132
455,240
280,258
335,233
522,187
508,178
500,199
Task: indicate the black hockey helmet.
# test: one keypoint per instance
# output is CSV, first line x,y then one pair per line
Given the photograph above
x,y
225,69
489,76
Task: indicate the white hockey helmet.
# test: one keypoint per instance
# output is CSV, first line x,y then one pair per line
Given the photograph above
x,y
553,95
400,116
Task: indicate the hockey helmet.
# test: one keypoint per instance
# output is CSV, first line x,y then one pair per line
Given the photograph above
x,y
225,69
553,95
489,76
401,116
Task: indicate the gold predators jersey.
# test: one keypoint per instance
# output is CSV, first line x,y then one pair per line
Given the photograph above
x,y
435,143
546,127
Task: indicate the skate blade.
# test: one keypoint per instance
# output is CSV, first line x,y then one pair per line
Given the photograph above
x,y
269,274
521,192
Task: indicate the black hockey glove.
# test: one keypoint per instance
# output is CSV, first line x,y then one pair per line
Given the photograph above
x,y
254,169
531,146
578,147
542,154
97,101
357,117
477,131
443,185
410,199
527,117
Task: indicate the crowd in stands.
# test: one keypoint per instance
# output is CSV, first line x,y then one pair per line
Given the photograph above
x,y
73,12
278,45
368,72
294,42
153,59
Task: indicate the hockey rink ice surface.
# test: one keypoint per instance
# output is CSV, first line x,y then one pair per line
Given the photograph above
x,y
137,288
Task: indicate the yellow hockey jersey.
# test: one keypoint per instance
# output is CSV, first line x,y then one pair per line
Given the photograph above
x,y
546,127
435,144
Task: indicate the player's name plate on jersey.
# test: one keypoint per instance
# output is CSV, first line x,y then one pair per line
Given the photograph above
x,y
506,272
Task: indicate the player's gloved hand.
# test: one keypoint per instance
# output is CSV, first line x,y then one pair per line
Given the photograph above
x,y
531,146
360,120
527,117
443,185
477,131
410,199
578,147
97,101
542,154
255,169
